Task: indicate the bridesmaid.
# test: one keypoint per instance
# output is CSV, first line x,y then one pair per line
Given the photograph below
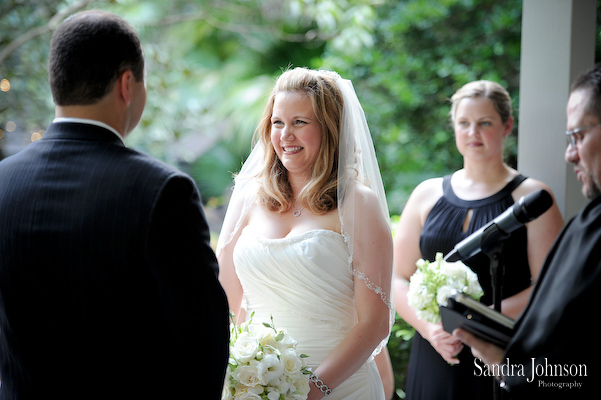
x,y
441,212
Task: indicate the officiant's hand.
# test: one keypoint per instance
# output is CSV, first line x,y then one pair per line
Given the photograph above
x,y
485,351
445,344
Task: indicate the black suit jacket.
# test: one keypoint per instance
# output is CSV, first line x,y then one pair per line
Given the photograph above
x,y
555,350
108,285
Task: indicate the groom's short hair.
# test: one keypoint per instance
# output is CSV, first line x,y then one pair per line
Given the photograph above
x,y
88,52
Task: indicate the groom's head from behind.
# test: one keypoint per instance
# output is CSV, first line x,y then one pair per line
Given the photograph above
x,y
92,54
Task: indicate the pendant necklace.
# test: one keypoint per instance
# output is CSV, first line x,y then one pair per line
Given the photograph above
x,y
298,211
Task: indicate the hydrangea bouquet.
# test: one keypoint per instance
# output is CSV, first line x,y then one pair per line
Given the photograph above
x,y
264,365
432,284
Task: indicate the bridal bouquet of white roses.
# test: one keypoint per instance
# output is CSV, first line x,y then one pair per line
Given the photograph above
x,y
432,284
264,365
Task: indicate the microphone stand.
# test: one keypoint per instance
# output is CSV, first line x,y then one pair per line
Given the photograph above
x,y
497,273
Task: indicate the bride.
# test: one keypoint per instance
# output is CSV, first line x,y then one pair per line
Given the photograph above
x,y
306,237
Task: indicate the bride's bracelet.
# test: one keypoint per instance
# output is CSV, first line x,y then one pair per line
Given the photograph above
x,y
320,385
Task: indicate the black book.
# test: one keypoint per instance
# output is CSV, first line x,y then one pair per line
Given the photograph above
x,y
474,317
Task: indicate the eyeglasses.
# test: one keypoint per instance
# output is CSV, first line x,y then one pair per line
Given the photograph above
x,y
572,134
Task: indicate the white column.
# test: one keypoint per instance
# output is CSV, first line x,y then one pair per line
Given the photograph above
x,y
558,44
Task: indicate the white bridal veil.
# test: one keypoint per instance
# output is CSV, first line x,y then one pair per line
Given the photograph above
x,y
357,166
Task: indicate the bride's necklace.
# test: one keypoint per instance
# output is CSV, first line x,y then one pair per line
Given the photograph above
x,y
297,212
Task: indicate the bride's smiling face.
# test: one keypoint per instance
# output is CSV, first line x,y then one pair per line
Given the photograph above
x,y
295,131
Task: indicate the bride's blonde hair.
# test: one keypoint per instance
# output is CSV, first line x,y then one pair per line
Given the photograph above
x,y
275,192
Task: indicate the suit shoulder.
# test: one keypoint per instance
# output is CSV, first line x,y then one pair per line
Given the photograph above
x,y
150,165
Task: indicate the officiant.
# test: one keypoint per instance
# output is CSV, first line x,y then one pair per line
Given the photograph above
x,y
555,350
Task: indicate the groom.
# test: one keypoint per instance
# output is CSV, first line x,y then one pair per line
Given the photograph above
x,y
108,286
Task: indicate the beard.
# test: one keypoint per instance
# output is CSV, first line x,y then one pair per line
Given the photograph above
x,y
591,189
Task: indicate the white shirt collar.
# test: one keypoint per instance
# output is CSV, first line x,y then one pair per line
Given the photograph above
x,y
90,122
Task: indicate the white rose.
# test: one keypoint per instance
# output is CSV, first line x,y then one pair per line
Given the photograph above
x,y
291,382
271,345
246,347
269,368
258,330
281,385
288,342
273,395
247,375
226,394
268,338
240,390
247,396
291,361
302,388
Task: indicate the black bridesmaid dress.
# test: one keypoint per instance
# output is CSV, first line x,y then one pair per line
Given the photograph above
x,y
430,376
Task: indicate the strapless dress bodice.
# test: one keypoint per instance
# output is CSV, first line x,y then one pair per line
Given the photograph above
x,y
306,275
305,283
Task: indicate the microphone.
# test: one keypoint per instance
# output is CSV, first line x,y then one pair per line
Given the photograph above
x,y
527,208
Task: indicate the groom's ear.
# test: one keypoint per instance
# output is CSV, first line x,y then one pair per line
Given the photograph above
x,y
124,87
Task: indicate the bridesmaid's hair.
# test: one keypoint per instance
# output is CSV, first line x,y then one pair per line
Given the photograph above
x,y
319,194
487,90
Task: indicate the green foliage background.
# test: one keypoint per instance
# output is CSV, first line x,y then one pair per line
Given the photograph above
x,y
212,63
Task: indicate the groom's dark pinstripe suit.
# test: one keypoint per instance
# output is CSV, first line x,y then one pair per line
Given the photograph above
x,y
106,274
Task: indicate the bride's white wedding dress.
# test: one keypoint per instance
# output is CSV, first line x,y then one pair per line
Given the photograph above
x,y
304,282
